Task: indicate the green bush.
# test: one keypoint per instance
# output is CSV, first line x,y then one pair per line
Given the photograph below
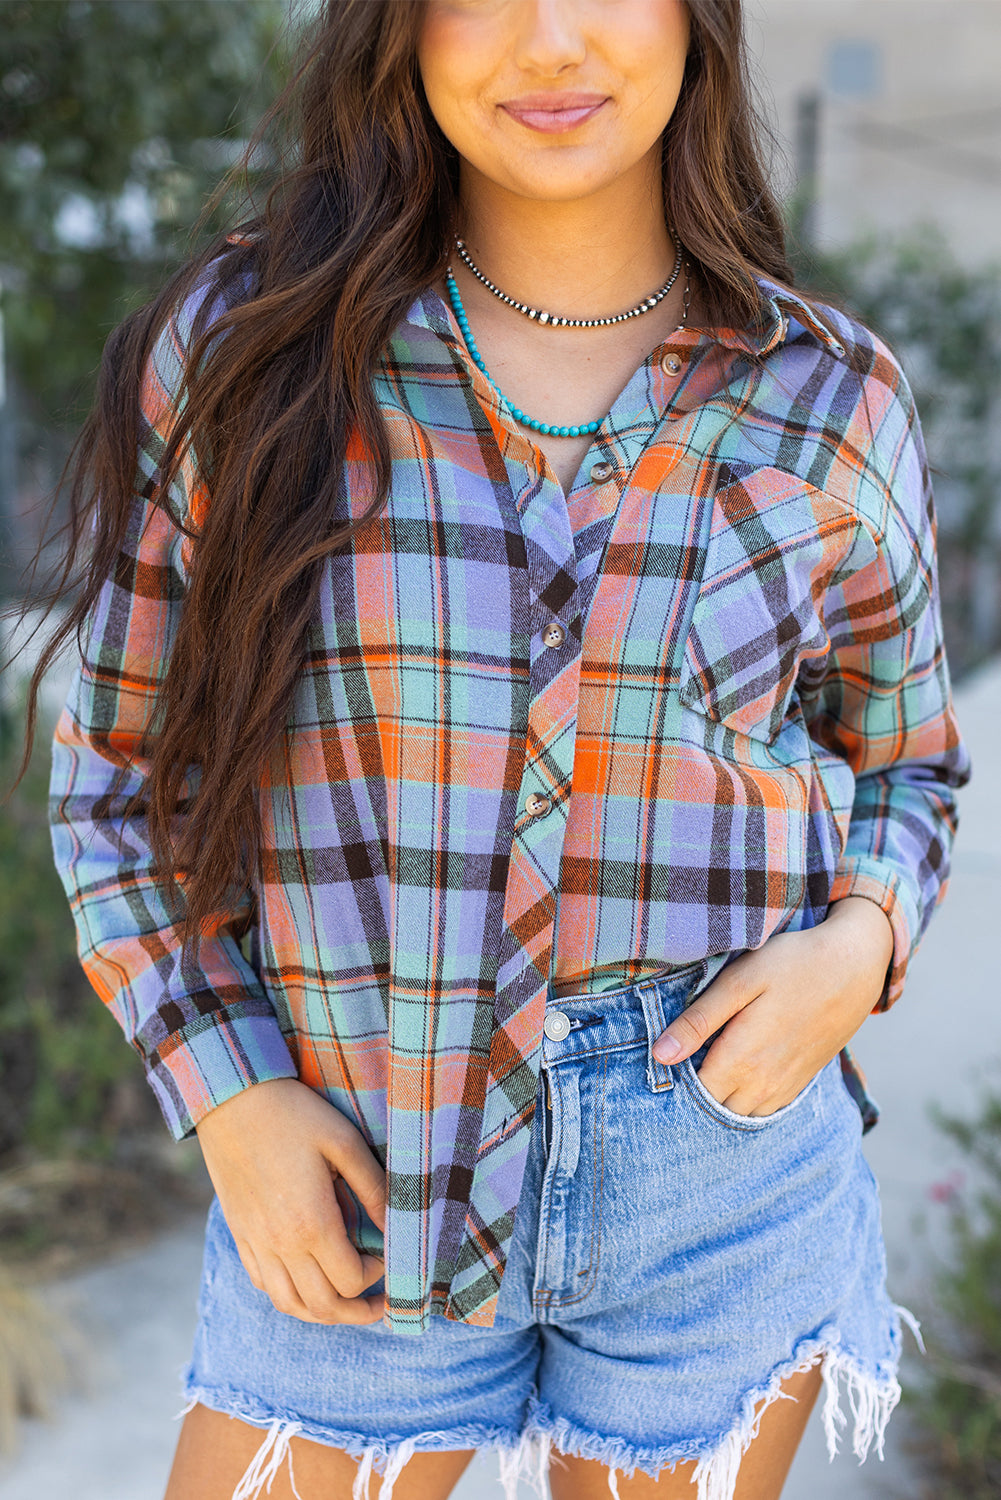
x,y
958,1402
106,104
65,1068
943,320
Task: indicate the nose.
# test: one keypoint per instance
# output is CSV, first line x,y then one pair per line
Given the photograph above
x,y
550,37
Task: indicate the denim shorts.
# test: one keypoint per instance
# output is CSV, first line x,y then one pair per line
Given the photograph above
x,y
672,1264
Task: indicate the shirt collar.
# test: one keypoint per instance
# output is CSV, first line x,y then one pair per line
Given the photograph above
x,y
778,306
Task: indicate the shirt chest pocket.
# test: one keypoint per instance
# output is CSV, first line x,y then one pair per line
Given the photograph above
x,y
774,545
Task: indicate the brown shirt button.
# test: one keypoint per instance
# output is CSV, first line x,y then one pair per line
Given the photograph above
x,y
671,364
554,634
537,806
601,472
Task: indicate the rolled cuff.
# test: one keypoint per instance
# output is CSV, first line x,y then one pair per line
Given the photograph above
x,y
871,879
215,1057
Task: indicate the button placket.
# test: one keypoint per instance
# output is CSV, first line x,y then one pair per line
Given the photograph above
x,y
550,706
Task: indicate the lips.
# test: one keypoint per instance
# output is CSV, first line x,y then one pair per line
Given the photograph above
x,y
552,114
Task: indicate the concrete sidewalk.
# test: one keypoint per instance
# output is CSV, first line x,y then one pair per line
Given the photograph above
x,y
941,1044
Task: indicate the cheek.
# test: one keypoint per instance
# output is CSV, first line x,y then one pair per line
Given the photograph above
x,y
452,57
667,25
655,78
655,48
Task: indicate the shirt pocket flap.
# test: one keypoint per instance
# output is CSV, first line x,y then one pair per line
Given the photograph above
x,y
774,545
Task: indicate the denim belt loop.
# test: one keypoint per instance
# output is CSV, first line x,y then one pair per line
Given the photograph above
x,y
658,1075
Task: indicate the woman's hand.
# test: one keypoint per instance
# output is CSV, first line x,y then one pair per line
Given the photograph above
x,y
273,1153
786,1009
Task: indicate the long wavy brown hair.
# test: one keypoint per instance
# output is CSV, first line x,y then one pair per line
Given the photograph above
x,y
360,220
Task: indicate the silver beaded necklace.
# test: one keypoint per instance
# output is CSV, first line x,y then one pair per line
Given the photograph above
x,y
548,429
554,320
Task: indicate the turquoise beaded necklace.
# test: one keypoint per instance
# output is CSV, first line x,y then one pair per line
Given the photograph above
x,y
548,429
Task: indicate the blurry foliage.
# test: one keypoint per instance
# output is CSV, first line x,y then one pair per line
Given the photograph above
x,y
943,321
117,119
35,1358
66,1076
958,1401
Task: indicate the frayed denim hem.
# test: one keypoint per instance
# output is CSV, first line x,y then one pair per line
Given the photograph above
x,y
382,1456
871,1399
525,1456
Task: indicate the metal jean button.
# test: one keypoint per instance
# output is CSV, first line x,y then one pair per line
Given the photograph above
x,y
556,1025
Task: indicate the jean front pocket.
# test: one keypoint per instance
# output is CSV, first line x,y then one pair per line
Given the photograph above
x,y
711,1106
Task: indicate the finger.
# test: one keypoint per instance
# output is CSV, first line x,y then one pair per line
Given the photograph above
x,y
349,1271
304,1293
715,1006
284,1294
250,1264
373,1269
347,1281
314,1228
358,1310
749,1090
361,1169
322,1301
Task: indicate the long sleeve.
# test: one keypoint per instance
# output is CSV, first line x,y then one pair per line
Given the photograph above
x,y
882,702
206,1029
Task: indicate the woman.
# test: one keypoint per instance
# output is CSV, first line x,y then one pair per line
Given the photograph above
x,y
577,763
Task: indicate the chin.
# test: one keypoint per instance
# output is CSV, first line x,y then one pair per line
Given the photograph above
x,y
555,184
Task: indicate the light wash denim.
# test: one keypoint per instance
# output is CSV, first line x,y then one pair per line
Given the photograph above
x,y
672,1263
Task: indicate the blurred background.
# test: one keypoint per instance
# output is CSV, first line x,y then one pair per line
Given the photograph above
x,y
117,118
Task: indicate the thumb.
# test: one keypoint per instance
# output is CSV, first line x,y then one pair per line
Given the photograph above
x,y
686,1034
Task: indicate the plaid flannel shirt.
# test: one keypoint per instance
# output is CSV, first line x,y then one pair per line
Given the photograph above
x,y
743,717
